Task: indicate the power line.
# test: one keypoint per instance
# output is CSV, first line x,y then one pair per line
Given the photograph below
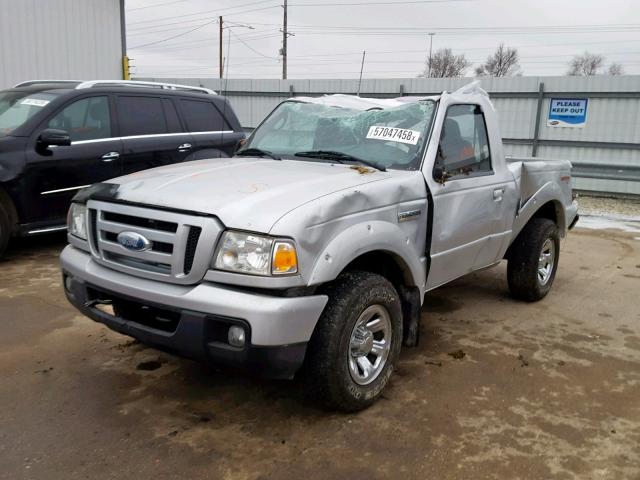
x,y
251,48
209,12
535,28
155,5
175,36
373,4
190,45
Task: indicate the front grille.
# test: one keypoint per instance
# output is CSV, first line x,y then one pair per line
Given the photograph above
x,y
141,222
178,247
163,247
192,243
93,234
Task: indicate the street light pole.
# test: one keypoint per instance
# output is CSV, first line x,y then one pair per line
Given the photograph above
x,y
361,69
284,42
430,50
221,69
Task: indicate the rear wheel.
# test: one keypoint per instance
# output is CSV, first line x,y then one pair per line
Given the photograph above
x,y
5,229
356,343
533,260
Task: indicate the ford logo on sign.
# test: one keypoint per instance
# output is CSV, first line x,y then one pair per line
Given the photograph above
x,y
133,241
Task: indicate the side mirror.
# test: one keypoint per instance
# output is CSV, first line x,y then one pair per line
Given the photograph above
x,y
440,175
51,136
241,143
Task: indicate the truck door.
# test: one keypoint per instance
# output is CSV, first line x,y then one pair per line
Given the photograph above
x,y
55,174
468,208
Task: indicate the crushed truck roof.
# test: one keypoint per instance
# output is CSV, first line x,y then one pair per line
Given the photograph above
x,y
366,103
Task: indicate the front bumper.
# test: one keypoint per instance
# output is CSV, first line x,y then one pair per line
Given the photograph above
x,y
572,215
192,320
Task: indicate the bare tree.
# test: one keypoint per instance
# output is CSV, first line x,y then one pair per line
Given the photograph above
x,y
586,65
616,69
502,63
444,63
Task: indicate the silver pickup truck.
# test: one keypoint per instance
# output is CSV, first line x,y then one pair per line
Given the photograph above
x,y
310,251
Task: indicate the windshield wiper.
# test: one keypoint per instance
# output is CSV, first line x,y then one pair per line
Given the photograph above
x,y
340,157
256,152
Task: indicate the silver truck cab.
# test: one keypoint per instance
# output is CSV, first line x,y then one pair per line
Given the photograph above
x,y
314,246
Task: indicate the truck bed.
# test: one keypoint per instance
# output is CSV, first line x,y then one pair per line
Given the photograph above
x,y
532,173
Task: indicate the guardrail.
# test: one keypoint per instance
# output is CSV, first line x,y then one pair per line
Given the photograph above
x,y
609,171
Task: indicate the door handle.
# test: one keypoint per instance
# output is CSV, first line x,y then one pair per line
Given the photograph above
x,y
185,147
110,157
497,194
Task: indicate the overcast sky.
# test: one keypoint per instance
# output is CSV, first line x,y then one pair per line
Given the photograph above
x,y
180,38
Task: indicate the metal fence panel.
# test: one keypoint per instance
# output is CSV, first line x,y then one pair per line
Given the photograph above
x,y
605,152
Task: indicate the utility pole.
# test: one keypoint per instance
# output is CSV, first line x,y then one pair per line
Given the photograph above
x,y
221,67
430,50
284,43
361,68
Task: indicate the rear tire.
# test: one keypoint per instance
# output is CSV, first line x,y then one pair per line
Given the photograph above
x,y
5,229
356,344
533,260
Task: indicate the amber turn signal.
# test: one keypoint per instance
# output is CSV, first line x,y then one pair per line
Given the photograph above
x,y
285,259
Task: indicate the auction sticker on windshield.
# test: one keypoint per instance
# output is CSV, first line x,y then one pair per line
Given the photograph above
x,y
36,102
393,134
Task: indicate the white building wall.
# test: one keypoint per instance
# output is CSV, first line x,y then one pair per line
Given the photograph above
x,y
59,39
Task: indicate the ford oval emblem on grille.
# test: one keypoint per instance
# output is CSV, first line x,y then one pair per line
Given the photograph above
x,y
133,241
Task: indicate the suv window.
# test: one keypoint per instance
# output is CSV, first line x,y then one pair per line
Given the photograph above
x,y
173,122
141,116
85,119
464,145
16,107
202,116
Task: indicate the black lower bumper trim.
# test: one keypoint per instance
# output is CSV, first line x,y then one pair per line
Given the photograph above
x,y
575,220
190,334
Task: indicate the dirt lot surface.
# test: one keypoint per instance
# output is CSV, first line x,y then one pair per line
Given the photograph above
x,y
545,390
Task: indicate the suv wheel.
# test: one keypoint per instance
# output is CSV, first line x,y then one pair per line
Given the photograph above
x,y
533,260
357,342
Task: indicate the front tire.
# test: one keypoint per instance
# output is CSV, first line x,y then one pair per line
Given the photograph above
x,y
356,344
533,260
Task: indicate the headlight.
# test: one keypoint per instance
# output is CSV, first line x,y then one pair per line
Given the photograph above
x,y
255,254
77,220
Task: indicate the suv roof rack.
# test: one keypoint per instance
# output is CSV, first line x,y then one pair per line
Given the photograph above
x,y
138,83
29,83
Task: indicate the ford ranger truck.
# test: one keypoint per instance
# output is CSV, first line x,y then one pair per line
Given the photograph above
x,y
310,251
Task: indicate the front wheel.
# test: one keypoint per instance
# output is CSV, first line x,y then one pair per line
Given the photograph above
x,y
533,260
356,343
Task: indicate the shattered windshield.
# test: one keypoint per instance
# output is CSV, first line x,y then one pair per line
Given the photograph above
x,y
390,138
16,107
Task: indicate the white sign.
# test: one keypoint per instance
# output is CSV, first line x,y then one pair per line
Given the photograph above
x,y
567,112
393,134
36,102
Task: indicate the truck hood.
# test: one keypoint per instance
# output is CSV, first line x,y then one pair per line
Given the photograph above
x,y
244,193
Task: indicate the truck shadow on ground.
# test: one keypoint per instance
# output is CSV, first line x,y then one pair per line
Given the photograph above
x,y
191,388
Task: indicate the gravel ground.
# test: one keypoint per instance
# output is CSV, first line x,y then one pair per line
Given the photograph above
x,y
496,389
609,206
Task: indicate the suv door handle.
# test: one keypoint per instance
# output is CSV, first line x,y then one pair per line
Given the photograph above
x,y
497,194
185,147
110,157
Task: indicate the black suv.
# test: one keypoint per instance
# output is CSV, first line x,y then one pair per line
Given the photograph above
x,y
57,137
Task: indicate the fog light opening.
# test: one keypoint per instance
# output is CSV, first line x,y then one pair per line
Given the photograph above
x,y
236,336
68,283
